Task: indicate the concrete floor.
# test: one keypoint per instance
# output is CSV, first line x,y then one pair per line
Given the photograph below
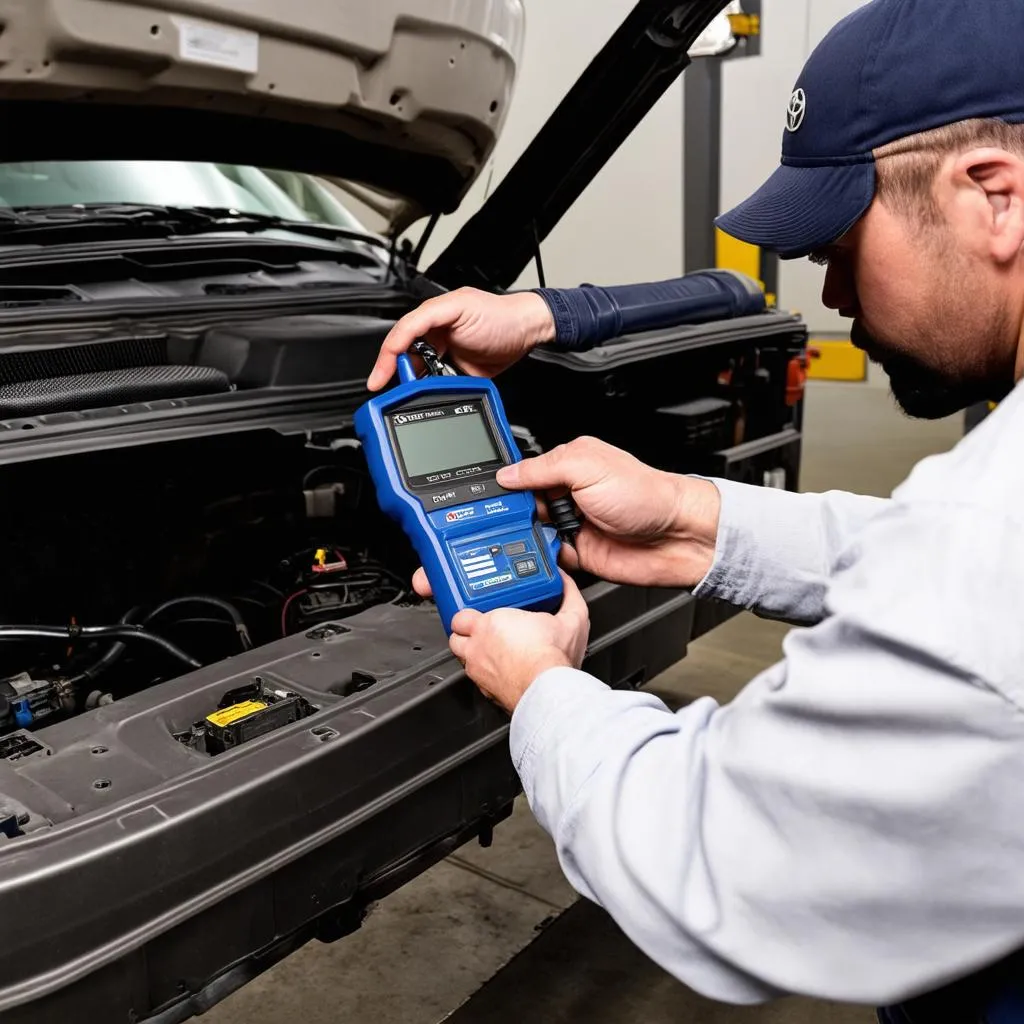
x,y
433,944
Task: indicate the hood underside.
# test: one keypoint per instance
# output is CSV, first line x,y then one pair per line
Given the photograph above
x,y
400,102
406,97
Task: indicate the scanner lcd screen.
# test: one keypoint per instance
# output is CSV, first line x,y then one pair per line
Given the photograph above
x,y
436,445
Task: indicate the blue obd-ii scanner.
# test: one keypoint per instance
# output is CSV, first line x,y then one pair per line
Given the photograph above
x,y
433,446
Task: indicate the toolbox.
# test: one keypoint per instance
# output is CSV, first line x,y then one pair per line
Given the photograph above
x,y
721,399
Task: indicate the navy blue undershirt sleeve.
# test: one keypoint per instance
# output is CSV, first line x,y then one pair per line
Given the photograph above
x,y
591,314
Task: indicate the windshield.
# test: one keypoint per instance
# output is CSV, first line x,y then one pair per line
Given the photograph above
x,y
285,194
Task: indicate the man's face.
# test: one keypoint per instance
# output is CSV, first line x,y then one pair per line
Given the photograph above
x,y
930,312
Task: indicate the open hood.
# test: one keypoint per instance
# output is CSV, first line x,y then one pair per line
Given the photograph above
x,y
627,77
404,96
399,101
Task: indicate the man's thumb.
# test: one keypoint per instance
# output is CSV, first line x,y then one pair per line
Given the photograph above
x,y
538,473
510,476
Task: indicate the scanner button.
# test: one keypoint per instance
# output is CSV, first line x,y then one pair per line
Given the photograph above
x,y
526,567
518,548
496,550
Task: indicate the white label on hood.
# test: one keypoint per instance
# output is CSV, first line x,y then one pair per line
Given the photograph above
x,y
206,43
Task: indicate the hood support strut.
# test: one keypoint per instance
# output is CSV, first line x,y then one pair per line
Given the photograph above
x,y
629,75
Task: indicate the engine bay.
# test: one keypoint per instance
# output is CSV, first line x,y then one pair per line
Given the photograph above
x,y
137,565
134,562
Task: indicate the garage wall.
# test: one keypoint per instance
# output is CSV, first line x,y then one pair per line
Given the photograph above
x,y
755,95
628,225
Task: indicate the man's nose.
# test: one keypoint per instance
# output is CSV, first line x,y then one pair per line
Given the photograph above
x,y
839,291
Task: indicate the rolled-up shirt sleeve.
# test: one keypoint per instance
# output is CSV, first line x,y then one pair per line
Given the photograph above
x,y
776,549
591,314
848,827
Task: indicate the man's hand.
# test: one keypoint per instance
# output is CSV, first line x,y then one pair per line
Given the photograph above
x,y
483,333
504,651
642,526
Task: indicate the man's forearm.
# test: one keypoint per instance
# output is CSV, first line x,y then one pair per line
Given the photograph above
x,y
775,549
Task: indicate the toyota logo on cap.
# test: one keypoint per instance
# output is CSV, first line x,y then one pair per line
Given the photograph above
x,y
796,110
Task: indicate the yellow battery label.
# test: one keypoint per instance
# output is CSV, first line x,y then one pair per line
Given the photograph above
x,y
235,712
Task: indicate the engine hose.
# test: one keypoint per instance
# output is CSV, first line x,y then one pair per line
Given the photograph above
x,y
107,659
214,602
122,631
364,575
113,654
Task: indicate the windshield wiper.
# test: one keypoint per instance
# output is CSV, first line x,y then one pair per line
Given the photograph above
x,y
238,220
184,220
22,219
56,225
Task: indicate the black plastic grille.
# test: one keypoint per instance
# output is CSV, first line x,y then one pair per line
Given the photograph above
x,y
69,360
115,387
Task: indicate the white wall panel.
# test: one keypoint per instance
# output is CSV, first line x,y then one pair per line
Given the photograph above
x,y
756,93
627,226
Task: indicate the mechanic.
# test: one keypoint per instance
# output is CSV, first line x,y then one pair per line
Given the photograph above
x,y
851,826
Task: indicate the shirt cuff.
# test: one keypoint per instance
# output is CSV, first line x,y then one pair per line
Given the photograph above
x,y
549,705
567,322
768,556
739,516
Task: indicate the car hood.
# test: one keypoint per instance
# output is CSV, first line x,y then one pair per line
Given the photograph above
x,y
402,99
404,96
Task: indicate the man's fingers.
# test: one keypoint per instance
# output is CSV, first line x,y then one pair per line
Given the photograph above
x,y
568,558
421,584
459,646
570,466
398,340
573,602
432,314
538,473
465,622
383,370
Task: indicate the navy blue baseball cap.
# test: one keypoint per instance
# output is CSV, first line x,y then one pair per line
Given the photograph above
x,y
890,69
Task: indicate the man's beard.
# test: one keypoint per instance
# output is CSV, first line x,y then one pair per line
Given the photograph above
x,y
925,392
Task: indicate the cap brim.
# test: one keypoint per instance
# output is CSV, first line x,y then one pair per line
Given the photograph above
x,y
801,209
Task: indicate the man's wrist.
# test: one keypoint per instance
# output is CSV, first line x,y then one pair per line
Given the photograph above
x,y
538,320
540,711
545,660
521,680
543,329
698,508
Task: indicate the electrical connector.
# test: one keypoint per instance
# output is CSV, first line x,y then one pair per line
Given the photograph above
x,y
565,518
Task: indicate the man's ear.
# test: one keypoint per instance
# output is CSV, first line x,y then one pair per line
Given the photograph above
x,y
989,183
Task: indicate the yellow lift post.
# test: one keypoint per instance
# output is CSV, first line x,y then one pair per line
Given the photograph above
x,y
833,357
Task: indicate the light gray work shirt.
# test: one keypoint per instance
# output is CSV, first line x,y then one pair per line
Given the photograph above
x,y
851,826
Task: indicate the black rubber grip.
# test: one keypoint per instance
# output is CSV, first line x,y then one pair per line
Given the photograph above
x,y
565,518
